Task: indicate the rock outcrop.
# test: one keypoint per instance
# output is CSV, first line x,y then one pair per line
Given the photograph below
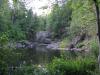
x,y
43,37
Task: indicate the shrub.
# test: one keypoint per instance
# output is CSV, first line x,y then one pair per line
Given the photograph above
x,y
31,70
64,43
3,39
71,67
3,68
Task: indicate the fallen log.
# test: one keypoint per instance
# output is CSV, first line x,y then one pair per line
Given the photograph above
x,y
72,49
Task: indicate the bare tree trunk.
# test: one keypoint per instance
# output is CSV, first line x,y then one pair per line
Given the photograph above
x,y
98,24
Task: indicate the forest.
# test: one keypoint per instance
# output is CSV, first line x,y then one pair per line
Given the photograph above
x,y
64,41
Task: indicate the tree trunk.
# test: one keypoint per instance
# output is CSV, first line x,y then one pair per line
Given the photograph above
x,y
98,24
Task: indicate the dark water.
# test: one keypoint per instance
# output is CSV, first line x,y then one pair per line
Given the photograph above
x,y
38,55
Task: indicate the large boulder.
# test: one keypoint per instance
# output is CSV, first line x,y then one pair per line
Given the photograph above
x,y
53,45
43,37
47,41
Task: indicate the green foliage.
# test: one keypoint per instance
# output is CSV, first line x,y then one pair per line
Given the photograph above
x,y
19,22
4,17
32,25
94,47
83,18
64,43
30,70
59,19
3,68
79,45
7,55
4,39
15,33
7,59
74,17
72,67
42,23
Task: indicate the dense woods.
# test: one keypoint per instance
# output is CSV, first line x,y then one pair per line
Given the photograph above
x,y
69,35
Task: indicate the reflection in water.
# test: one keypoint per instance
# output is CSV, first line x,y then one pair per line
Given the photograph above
x,y
38,55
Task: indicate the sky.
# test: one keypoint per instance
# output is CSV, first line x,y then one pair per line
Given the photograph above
x,y
36,5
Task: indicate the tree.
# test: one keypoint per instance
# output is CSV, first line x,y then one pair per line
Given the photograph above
x,y
83,18
32,23
98,24
98,16
60,18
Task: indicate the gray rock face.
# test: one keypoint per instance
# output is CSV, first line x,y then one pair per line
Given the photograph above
x,y
25,45
53,45
47,41
43,37
19,45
